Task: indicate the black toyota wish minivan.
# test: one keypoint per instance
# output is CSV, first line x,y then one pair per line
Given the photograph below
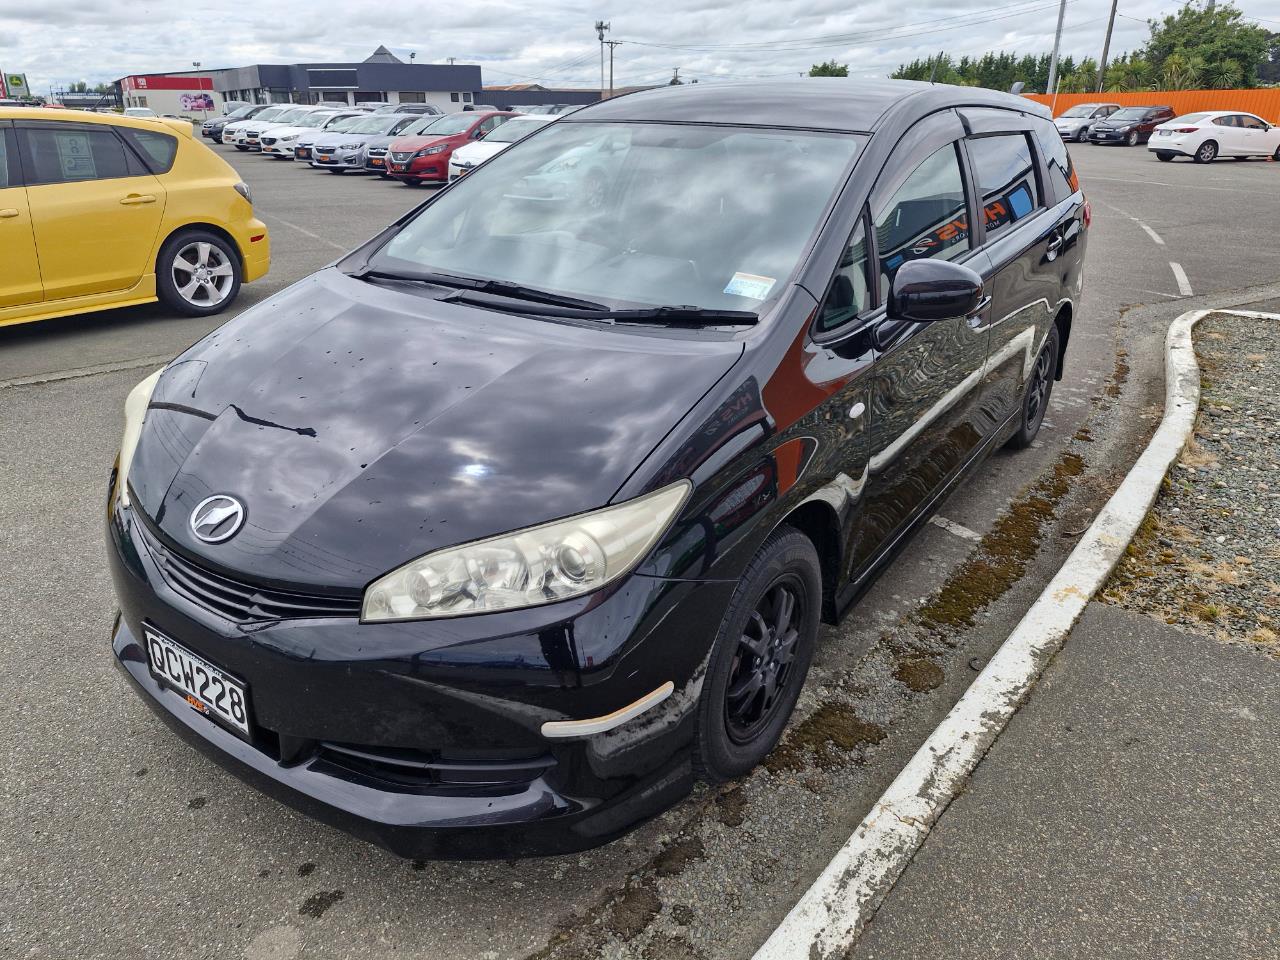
x,y
493,536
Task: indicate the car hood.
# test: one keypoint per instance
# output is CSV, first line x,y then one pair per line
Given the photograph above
x,y
363,425
339,139
417,143
1114,124
478,152
284,131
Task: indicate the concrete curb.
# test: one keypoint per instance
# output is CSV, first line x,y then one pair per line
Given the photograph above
x,y
831,914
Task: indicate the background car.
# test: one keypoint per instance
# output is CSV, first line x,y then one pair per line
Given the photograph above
x,y
473,154
232,131
250,135
375,149
278,142
139,112
1074,124
335,122
231,106
213,127
111,211
415,108
1129,125
341,150
424,157
1211,134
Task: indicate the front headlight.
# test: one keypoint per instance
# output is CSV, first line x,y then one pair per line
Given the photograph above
x,y
429,151
353,146
135,411
554,561
289,139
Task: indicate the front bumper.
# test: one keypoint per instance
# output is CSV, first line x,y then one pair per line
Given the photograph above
x,y
338,160
434,169
278,149
1109,136
426,738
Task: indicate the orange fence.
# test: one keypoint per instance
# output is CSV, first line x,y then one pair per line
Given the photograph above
x,y
1264,103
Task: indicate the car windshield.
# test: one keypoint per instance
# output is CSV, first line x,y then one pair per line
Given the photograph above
x,y
239,112
346,123
270,113
1081,110
513,130
419,125
1189,118
316,119
374,124
634,214
450,124
1130,113
290,115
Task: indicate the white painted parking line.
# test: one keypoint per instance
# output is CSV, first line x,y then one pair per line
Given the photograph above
x,y
1150,233
93,371
302,230
959,529
828,918
1129,216
1184,285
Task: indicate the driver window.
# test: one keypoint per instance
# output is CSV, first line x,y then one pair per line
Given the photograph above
x,y
926,217
847,294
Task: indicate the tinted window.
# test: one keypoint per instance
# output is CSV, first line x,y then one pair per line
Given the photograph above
x,y
74,153
848,294
1228,121
1062,182
925,218
1006,179
1253,123
8,160
159,149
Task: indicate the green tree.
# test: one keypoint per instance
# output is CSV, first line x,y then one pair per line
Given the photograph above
x,y
1204,35
829,69
1181,72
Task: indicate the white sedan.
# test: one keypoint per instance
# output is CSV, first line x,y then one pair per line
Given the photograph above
x,y
1215,133
473,154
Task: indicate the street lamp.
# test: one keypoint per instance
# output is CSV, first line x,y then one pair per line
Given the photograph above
x,y
204,113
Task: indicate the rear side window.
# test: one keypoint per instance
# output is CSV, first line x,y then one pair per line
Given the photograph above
x,y
158,149
8,160
925,218
1062,181
73,154
847,295
1005,174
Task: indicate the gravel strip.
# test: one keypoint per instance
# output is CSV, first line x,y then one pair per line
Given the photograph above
x,y
1208,556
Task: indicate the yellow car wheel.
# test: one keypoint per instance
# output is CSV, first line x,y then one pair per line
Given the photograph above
x,y
197,273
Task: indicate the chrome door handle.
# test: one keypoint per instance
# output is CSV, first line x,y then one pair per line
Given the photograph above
x,y
136,198
8,213
1055,244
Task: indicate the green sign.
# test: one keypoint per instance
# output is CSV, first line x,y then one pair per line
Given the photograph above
x,y
16,85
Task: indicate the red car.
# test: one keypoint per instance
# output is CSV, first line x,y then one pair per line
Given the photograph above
x,y
424,157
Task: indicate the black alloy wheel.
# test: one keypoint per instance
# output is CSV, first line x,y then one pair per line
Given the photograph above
x,y
760,658
1035,397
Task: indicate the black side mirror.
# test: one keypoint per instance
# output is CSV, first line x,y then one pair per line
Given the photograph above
x,y
924,291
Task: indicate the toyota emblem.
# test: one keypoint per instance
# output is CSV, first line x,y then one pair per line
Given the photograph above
x,y
217,518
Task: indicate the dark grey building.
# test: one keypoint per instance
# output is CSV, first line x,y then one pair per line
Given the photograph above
x,y
382,77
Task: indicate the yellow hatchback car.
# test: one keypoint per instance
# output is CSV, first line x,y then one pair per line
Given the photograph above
x,y
104,211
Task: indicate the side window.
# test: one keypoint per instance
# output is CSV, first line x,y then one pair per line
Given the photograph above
x,y
925,218
8,160
1253,123
72,154
491,124
848,293
1006,179
1062,181
1227,121
159,149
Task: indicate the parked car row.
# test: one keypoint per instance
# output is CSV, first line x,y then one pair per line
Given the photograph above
x,y
1203,136
403,142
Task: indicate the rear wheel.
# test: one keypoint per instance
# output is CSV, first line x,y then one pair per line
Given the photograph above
x,y
760,658
1164,156
1207,152
1035,396
197,273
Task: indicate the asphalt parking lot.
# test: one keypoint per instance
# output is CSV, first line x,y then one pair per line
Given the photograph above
x,y
119,841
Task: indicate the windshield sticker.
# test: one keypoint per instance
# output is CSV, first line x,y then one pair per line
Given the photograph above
x,y
750,285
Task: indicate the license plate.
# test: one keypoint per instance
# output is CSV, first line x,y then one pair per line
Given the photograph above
x,y
207,689
323,157
1165,133
304,152
397,166
376,161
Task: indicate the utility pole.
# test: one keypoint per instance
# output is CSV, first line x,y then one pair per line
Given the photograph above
x,y
1051,87
612,44
1106,45
601,27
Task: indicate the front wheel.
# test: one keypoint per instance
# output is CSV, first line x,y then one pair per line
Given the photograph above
x,y
197,273
1132,139
335,171
1083,135
241,147
760,658
1207,152
1164,156
1035,396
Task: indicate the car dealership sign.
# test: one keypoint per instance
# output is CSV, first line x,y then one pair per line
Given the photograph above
x,y
14,85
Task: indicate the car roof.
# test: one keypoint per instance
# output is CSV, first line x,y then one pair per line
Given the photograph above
x,y
79,116
825,103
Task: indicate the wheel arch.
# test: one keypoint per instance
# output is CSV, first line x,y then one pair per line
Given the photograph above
x,y
1063,322
195,227
817,520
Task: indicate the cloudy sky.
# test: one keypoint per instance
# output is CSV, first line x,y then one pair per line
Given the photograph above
x,y
57,42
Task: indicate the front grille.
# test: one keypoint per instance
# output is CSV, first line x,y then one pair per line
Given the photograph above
x,y
402,156
417,770
268,141
377,151
239,601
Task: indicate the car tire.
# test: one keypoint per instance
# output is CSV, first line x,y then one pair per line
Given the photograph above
x,y
1083,135
756,670
1132,139
1276,156
1207,152
1164,156
335,171
188,246
241,148
1036,394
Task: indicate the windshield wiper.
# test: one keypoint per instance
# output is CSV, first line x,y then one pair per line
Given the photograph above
x,y
688,316
502,288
